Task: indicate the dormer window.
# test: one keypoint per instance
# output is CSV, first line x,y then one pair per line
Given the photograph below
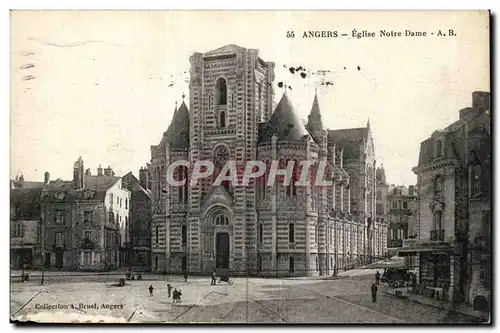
x,y
221,92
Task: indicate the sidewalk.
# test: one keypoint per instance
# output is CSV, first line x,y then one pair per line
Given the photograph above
x,y
462,308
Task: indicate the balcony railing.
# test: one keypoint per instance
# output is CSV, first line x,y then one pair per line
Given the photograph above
x,y
437,235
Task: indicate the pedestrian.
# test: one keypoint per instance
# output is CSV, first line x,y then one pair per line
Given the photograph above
x,y
169,289
185,276
377,278
214,280
151,290
374,293
179,294
174,296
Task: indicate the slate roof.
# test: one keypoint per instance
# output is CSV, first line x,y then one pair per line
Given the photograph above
x,y
284,123
349,139
230,48
25,203
134,186
26,184
100,184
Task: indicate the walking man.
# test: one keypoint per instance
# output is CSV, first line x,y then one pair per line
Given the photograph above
x,y
169,289
377,278
374,293
174,296
185,276
214,280
151,290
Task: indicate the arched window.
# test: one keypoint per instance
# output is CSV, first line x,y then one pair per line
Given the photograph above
x,y
222,119
221,92
291,264
221,220
291,233
261,233
111,217
317,264
184,234
180,174
157,234
438,186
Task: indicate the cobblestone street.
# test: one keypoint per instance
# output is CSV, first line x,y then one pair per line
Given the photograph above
x,y
346,299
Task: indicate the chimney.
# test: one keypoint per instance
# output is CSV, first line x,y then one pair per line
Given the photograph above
x,y
99,170
46,178
78,174
411,190
144,178
481,100
87,172
108,171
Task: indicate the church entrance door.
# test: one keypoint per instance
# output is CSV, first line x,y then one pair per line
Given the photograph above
x,y
222,250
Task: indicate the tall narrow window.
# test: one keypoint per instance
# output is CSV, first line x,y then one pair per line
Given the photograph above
x,y
259,101
438,220
438,186
291,233
438,148
261,233
157,234
316,234
221,92
185,186
184,235
156,263
291,264
222,119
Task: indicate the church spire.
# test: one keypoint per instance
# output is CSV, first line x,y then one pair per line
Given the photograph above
x,y
315,123
368,123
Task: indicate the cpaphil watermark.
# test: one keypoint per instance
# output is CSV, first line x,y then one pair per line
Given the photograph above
x,y
298,173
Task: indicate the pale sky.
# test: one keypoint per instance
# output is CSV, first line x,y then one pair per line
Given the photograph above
x,y
101,85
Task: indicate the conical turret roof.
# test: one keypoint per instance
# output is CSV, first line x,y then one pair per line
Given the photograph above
x,y
314,122
284,123
177,134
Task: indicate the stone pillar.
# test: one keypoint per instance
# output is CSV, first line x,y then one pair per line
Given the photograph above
x,y
307,221
166,213
274,245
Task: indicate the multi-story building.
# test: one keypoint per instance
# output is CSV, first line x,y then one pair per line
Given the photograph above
x,y
139,228
83,221
382,211
258,229
402,207
453,240
25,223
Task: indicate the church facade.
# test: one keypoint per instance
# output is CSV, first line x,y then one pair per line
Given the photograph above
x,y
277,230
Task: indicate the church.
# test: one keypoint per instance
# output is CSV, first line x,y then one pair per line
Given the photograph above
x,y
259,230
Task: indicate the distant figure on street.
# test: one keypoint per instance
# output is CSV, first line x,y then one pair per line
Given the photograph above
x,y
179,294
374,293
214,280
169,289
377,278
174,296
185,276
151,290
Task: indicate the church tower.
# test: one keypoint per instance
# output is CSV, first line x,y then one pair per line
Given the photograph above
x,y
230,93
